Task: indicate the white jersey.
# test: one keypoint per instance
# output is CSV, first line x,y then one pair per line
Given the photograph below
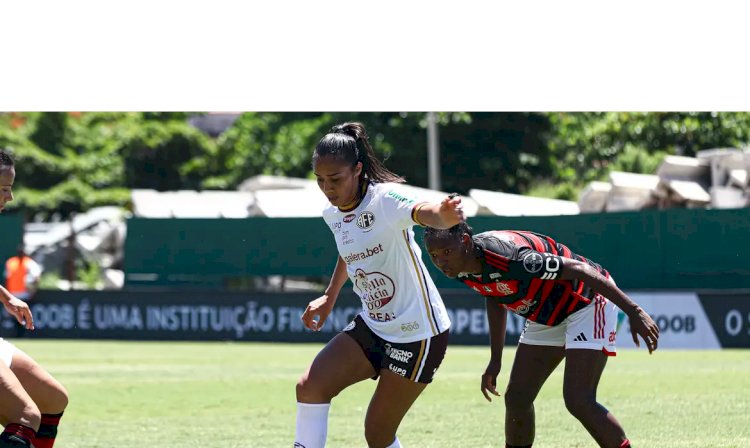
x,y
400,302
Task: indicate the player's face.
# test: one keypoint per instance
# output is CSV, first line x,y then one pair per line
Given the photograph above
x,y
337,179
451,256
7,176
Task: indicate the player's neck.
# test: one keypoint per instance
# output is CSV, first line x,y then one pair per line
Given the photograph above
x,y
357,199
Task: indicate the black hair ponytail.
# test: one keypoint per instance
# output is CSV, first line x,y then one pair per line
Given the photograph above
x,y
349,142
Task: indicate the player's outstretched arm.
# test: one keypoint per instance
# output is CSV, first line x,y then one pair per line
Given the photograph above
x,y
640,322
17,308
443,215
497,317
317,311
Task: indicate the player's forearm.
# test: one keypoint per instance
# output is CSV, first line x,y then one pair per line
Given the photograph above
x,y
497,318
428,214
5,295
338,279
601,284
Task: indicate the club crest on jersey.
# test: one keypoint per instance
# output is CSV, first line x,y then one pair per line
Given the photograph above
x,y
349,218
533,262
365,220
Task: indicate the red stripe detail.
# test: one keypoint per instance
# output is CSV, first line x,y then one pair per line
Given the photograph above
x,y
561,304
533,287
544,296
604,315
553,245
497,256
51,419
500,267
538,244
21,431
608,353
496,260
577,297
566,252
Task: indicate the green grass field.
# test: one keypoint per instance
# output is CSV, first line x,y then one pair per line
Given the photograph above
x,y
242,395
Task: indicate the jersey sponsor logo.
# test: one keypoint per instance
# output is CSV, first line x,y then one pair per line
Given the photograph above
x,y
336,227
349,218
365,220
345,239
533,262
376,291
367,253
398,354
523,307
495,275
400,198
397,370
411,326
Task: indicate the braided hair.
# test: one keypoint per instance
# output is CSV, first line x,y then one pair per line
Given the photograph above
x,y
5,159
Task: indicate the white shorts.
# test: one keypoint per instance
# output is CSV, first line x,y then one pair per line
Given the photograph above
x,y
593,328
6,352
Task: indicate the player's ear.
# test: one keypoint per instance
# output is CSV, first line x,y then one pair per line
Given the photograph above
x,y
358,169
466,240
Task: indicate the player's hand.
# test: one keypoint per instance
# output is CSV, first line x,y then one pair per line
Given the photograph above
x,y
451,210
317,312
642,324
21,311
489,380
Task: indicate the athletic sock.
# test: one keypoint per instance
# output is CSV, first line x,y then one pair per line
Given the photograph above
x,y
625,444
45,437
312,425
17,436
395,444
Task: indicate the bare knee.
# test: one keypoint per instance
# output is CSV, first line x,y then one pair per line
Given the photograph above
x,y
517,400
57,400
580,405
310,392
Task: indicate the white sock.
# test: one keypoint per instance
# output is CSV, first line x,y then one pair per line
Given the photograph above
x,y
395,444
312,425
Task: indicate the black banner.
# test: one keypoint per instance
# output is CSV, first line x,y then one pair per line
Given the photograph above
x,y
210,316
730,317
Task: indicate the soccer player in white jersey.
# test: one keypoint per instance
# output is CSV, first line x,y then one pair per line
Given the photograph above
x,y
401,334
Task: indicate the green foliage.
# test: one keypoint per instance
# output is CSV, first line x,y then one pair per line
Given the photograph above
x,y
265,143
588,144
90,274
69,162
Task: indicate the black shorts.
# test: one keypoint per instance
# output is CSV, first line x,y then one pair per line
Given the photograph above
x,y
417,361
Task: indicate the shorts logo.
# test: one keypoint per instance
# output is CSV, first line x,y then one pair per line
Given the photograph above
x,y
350,326
365,220
397,370
349,218
533,262
398,354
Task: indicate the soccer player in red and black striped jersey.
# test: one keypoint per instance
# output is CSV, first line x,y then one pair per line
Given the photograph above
x,y
569,303
31,400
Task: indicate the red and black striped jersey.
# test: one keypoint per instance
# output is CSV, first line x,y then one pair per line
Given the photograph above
x,y
520,270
